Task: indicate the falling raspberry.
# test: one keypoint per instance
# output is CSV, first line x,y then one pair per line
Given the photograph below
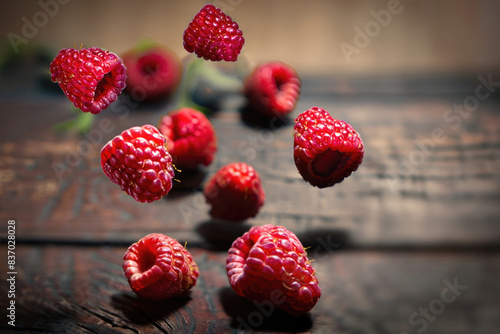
x,y
213,35
191,138
139,163
326,150
272,89
91,78
234,192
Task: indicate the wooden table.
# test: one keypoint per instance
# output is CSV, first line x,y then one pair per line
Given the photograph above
x,y
407,244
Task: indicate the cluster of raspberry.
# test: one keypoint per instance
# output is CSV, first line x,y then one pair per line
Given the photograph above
x,y
267,263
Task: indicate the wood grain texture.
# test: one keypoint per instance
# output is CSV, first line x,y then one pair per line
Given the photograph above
x,y
421,213
411,189
73,289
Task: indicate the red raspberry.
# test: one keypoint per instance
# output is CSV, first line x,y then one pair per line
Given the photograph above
x,y
153,71
138,161
326,150
190,137
268,263
158,267
91,78
235,192
273,89
212,35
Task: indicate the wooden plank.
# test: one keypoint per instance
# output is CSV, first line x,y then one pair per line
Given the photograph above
x,y
54,186
83,289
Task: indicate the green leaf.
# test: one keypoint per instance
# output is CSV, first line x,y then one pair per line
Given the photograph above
x,y
81,123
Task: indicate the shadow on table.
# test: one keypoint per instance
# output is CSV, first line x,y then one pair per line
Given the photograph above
x,y
219,234
324,241
161,104
318,242
142,312
252,118
187,181
246,315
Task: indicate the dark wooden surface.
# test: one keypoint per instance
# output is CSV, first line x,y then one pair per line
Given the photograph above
x,y
385,242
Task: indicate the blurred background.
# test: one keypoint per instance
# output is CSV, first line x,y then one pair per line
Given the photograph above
x,y
395,70
317,37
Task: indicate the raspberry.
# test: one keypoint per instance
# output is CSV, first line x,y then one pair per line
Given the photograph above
x,y
268,263
91,78
153,71
212,35
158,267
272,89
190,137
326,150
138,161
234,192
